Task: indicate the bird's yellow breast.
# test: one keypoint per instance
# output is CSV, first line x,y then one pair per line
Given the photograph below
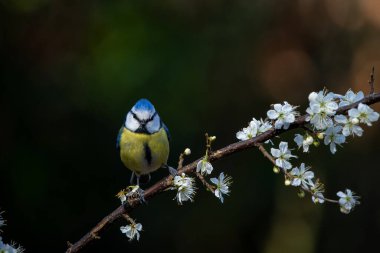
x,y
144,153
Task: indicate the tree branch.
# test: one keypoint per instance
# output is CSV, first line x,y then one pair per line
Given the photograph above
x,y
164,183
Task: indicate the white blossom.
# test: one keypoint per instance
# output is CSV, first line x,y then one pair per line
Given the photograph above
x,y
364,113
301,175
204,167
262,126
317,190
222,186
321,107
350,125
304,141
182,180
122,196
247,132
255,128
347,200
282,155
318,198
10,248
185,193
283,114
132,231
2,221
350,98
333,137
185,188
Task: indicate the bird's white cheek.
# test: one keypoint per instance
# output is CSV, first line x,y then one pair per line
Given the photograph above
x,y
154,125
131,123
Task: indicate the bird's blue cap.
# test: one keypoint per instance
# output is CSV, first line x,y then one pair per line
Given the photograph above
x,y
143,105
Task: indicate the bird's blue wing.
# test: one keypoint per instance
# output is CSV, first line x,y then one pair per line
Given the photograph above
x,y
118,138
166,130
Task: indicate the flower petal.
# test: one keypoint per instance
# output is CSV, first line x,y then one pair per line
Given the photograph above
x,y
272,114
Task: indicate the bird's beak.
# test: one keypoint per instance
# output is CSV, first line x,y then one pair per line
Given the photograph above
x,y
141,129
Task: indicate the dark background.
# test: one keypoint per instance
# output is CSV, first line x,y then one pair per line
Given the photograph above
x,y
70,70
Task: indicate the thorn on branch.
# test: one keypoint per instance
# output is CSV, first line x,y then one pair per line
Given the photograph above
x,y
371,81
95,236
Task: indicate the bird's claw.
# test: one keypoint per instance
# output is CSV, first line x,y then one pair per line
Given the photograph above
x,y
140,195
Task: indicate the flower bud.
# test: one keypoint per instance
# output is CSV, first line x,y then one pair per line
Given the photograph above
x,y
355,121
313,96
301,194
309,140
276,170
187,151
316,144
320,135
212,138
344,210
287,182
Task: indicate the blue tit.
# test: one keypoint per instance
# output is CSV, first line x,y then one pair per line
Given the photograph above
x,y
143,141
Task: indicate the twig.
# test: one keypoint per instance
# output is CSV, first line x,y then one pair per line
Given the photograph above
x,y
217,155
204,182
186,152
180,161
265,153
128,218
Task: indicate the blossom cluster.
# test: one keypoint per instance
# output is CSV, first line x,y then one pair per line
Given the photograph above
x,y
325,121
323,117
8,248
185,185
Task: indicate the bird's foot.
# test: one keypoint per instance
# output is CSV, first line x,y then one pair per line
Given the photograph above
x,y
140,195
133,192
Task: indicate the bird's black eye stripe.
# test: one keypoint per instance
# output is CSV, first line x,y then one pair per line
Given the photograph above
x,y
135,116
151,118
143,121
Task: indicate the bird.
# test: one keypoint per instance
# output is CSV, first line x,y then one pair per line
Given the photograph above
x,y
143,141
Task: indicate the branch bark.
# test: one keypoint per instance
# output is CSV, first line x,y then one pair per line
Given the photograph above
x,y
213,156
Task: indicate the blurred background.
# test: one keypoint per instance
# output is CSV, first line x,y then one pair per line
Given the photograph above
x,y
70,70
